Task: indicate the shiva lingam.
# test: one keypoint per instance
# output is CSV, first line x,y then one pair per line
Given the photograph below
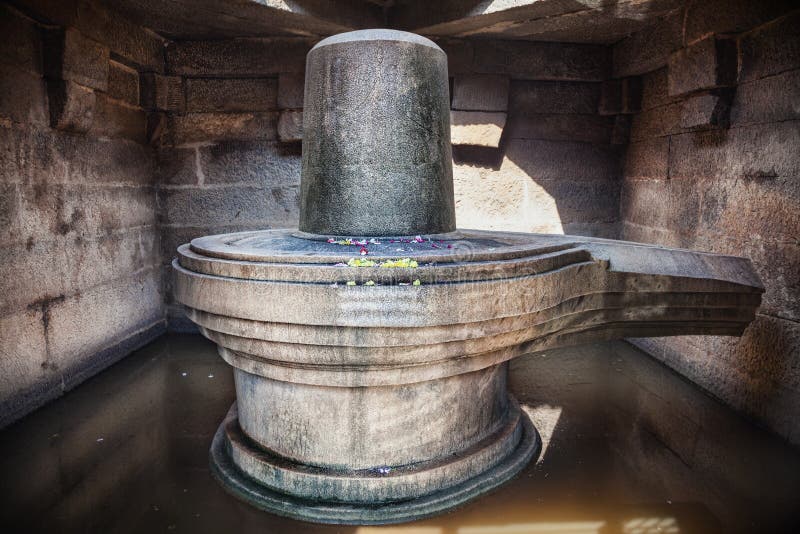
x,y
370,346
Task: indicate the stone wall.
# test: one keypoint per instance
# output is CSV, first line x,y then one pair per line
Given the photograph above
x,y
714,164
80,284
229,156
555,168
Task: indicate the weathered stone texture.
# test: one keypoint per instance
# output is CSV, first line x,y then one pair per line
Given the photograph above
x,y
758,152
730,16
77,209
291,87
654,89
195,127
480,93
238,57
21,45
204,94
770,99
115,119
476,128
657,122
543,61
38,156
37,270
123,83
158,92
621,96
71,106
648,159
707,110
70,55
527,97
290,126
707,64
648,49
561,127
124,38
22,96
230,205
250,162
770,49
730,191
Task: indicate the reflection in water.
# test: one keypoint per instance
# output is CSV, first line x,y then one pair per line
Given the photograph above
x,y
630,447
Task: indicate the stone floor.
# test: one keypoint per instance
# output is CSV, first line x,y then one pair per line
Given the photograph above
x,y
629,447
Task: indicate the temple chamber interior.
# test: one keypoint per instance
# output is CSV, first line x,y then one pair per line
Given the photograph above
x,y
402,266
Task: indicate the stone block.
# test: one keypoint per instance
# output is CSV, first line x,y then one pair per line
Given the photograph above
x,y
291,88
244,94
561,127
621,130
585,201
22,96
137,45
290,126
543,61
476,128
69,55
103,315
48,210
647,160
730,16
69,265
526,97
114,119
71,106
61,159
23,350
770,49
238,57
657,122
195,127
771,99
555,161
706,64
622,96
231,205
751,210
158,92
250,162
642,233
647,50
757,152
123,83
460,54
156,128
177,166
604,230
480,92
706,110
670,204
21,45
654,90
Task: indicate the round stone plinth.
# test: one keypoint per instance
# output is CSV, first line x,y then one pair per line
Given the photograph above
x,y
229,442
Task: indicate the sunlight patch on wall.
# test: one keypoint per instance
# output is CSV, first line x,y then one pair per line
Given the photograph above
x,y
503,199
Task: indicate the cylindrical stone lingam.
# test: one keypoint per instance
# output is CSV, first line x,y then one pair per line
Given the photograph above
x,y
376,124
371,373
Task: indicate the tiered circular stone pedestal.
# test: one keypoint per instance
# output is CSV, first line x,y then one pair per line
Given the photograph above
x,y
374,394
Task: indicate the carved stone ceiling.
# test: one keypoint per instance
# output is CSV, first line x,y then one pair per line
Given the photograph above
x,y
581,21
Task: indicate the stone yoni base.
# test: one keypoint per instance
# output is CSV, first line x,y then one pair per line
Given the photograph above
x,y
252,474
